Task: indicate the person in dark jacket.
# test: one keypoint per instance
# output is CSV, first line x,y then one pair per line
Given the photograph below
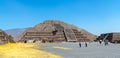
x,y
100,41
80,44
86,44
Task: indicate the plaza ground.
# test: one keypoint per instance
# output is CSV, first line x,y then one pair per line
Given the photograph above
x,y
72,50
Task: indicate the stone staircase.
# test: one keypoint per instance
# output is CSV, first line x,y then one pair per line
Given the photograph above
x,y
70,36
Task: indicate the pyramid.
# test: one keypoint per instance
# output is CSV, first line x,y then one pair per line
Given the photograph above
x,y
4,38
56,31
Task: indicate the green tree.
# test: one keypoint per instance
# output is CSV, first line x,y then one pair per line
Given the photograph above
x,y
10,39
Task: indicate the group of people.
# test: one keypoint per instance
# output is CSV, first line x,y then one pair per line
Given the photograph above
x,y
100,42
81,44
105,42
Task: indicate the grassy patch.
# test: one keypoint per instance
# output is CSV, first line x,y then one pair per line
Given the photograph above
x,y
21,50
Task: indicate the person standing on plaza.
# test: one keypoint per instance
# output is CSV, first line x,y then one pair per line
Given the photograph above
x,y
106,42
86,44
100,41
79,44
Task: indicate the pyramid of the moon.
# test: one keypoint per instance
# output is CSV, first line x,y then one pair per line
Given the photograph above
x,y
56,31
4,38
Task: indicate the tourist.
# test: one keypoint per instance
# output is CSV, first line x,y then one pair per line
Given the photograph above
x,y
85,44
80,44
100,41
106,42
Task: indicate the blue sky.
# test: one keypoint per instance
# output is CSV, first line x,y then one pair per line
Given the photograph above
x,y
95,16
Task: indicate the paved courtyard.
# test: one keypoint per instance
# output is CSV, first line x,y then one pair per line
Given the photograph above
x,y
94,50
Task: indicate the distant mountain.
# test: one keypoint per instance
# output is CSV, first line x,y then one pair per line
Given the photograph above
x,y
15,32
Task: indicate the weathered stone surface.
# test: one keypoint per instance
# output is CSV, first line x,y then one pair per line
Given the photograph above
x,y
4,38
56,31
111,37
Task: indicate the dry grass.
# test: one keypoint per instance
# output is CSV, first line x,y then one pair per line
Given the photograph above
x,y
58,47
21,50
